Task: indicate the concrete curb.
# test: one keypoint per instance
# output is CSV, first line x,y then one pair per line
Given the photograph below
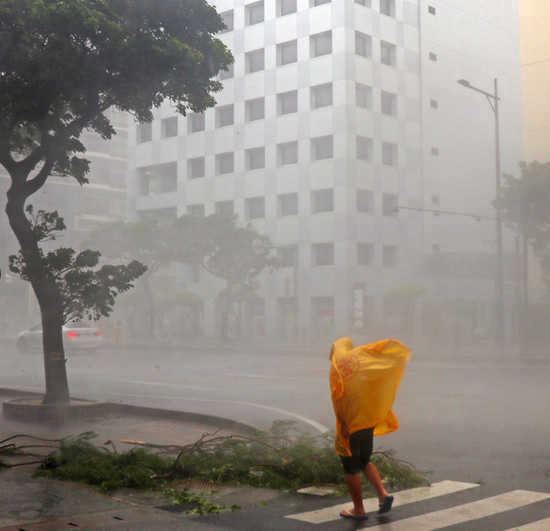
x,y
37,413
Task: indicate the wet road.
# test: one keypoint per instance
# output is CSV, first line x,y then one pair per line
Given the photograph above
x,y
466,418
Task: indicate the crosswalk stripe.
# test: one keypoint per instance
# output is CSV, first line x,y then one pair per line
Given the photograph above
x,y
541,525
441,488
464,513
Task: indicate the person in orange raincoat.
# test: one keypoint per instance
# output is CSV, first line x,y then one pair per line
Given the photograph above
x,y
363,383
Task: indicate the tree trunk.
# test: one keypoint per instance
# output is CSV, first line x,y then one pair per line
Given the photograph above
x,y
49,299
150,305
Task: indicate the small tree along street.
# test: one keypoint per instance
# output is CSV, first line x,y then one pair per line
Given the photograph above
x,y
145,241
216,243
524,202
235,254
62,65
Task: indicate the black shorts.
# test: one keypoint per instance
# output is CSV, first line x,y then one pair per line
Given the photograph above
x,y
361,444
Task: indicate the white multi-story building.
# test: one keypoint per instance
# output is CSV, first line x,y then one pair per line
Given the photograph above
x,y
334,114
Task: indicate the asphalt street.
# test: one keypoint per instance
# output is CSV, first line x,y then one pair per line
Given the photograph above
x,y
473,417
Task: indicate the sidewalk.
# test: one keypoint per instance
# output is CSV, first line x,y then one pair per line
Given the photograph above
x,y
37,504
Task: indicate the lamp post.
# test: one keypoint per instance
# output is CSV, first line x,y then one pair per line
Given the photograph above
x,y
493,100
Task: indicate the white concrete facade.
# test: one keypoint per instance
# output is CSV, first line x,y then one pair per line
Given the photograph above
x,y
324,126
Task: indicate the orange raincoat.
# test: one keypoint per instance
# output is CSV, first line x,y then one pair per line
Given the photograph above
x,y
363,383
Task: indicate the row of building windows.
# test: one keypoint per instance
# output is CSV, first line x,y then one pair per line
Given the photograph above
x,y
287,205
320,45
287,103
322,148
255,12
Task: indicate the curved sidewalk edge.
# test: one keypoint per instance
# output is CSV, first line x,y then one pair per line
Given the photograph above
x,y
167,414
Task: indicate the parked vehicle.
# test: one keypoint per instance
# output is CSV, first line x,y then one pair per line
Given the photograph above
x,y
77,336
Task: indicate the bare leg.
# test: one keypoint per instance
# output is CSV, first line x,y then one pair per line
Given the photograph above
x,y
373,477
355,489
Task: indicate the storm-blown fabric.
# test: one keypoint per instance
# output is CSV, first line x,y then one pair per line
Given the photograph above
x,y
364,381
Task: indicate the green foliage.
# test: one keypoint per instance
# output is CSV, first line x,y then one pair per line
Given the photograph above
x,y
459,306
524,203
63,63
80,460
86,291
403,291
200,505
279,458
236,254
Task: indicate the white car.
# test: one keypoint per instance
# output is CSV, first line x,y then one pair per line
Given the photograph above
x,y
76,336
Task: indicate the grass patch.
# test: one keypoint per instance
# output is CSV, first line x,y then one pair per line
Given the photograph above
x,y
279,458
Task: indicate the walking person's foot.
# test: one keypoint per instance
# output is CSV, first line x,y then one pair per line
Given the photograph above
x,y
351,515
385,504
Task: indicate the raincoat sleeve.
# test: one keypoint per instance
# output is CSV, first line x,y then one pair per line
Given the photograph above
x,y
364,383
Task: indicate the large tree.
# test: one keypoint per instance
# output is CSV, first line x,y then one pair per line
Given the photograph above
x,y
63,63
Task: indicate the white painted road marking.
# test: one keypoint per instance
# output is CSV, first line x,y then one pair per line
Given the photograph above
x,y
541,525
465,513
329,514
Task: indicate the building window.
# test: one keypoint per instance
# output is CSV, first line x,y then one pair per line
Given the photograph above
x,y
196,168
195,210
388,53
322,148
229,73
315,3
255,208
228,20
254,13
365,201
363,44
363,96
431,10
144,133
255,158
287,153
287,102
287,205
435,199
389,205
286,7
435,152
389,103
390,154
364,148
196,122
321,96
225,208
321,44
390,256
224,116
169,127
434,104
365,254
288,256
255,109
254,61
224,163
322,201
387,7
366,3
323,254
287,53
433,56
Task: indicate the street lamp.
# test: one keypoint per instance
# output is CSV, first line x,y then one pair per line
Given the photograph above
x,y
493,100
